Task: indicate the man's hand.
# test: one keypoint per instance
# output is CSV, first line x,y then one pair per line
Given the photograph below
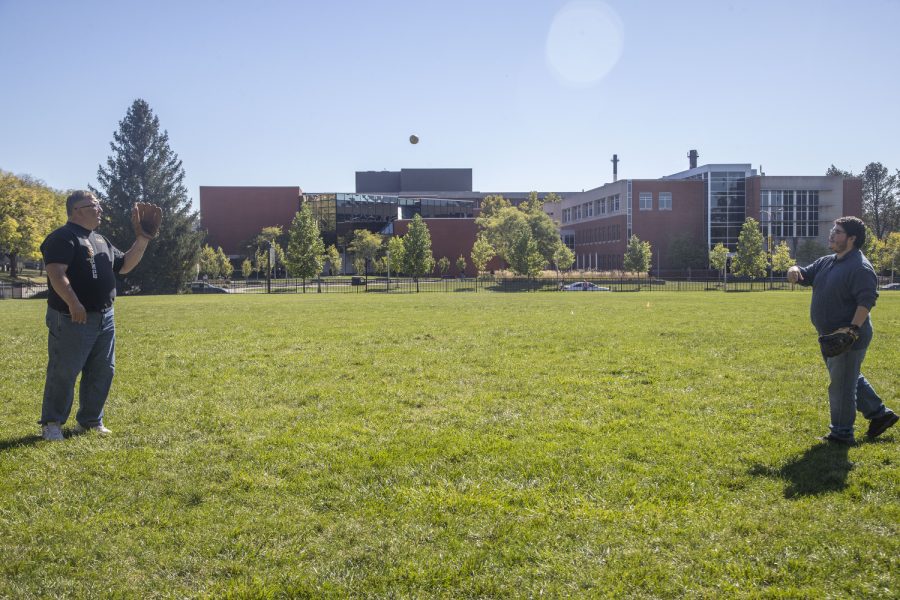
x,y
794,275
146,218
78,313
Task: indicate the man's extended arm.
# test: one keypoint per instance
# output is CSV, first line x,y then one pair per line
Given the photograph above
x,y
134,254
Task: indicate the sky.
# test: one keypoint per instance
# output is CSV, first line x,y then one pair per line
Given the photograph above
x,y
534,95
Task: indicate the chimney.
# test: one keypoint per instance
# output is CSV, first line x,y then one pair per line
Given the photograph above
x,y
692,155
615,162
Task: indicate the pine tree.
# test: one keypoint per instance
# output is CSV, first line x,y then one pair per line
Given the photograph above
x,y
143,168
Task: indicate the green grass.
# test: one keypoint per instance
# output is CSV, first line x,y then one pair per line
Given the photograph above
x,y
451,445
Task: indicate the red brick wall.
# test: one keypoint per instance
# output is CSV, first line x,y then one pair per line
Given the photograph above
x,y
660,227
233,215
450,238
853,198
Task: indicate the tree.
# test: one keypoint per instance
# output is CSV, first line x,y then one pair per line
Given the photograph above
x,y
397,254
637,256
809,250
890,253
443,265
781,258
418,259
305,254
246,268
143,168
482,253
718,258
524,256
502,226
491,205
461,265
750,259
685,252
29,211
833,170
563,258
226,269
365,245
880,203
209,265
334,259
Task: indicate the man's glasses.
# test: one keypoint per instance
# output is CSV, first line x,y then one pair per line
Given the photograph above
x,y
836,231
93,205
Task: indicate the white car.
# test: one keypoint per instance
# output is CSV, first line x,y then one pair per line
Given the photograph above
x,y
583,286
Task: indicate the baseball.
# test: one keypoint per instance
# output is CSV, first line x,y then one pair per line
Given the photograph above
x,y
413,139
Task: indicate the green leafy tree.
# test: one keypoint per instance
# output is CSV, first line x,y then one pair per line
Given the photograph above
x,y
305,256
143,168
809,250
246,268
334,259
418,260
890,252
781,259
524,255
873,249
397,253
461,265
686,252
718,258
750,259
482,253
209,264
563,258
365,245
637,256
359,265
29,211
443,265
226,269
880,199
491,205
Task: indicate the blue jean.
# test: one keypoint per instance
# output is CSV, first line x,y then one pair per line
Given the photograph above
x,y
73,348
849,391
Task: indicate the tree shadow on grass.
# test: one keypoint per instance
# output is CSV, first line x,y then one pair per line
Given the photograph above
x,y
25,440
822,469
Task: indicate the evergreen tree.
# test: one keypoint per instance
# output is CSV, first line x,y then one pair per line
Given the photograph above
x,y
418,259
143,168
305,255
750,259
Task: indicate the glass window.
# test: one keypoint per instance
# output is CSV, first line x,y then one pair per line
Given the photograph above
x,y
665,201
646,201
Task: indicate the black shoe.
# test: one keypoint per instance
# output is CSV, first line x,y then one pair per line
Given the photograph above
x,y
879,425
833,439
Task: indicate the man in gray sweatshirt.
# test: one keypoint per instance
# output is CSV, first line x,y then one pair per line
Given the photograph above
x,y
844,293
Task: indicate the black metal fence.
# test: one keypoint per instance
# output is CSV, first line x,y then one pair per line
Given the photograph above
x,y
407,285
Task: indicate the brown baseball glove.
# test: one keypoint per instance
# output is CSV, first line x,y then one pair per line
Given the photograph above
x,y
838,341
146,218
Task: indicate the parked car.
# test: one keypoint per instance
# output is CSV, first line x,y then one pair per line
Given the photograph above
x,y
891,286
583,286
201,287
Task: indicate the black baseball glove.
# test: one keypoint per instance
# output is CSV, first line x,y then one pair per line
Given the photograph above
x,y
838,341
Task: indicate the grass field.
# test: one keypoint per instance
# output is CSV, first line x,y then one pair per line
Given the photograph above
x,y
452,445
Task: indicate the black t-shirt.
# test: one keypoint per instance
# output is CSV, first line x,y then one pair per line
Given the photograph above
x,y
92,262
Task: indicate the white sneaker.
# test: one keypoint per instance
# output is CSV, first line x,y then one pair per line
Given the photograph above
x,y
52,432
99,428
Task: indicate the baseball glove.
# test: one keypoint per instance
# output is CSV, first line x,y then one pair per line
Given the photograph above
x,y
146,218
839,341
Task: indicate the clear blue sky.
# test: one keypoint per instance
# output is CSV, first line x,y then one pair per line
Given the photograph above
x,y
531,95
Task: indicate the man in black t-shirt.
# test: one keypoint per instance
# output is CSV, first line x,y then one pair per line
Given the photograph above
x,y
81,270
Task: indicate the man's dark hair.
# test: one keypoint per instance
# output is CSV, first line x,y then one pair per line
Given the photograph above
x,y
76,197
853,226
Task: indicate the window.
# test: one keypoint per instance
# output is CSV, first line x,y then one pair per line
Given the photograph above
x,y
646,201
665,201
615,203
602,204
589,209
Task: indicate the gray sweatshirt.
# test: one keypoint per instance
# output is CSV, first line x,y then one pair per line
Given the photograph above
x,y
839,286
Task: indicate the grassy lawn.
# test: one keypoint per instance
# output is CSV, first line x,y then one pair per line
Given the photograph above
x,y
452,445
